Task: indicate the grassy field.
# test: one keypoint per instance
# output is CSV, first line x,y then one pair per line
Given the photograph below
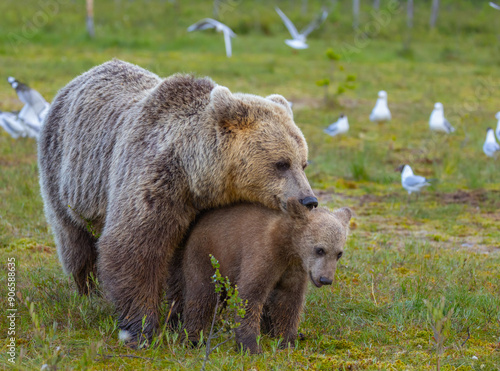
x,y
404,254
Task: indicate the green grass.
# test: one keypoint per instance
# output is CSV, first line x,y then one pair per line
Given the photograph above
x,y
402,251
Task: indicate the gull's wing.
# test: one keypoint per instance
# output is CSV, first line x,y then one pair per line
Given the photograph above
x,y
203,25
491,147
315,23
291,28
493,5
415,180
10,124
332,130
227,41
448,126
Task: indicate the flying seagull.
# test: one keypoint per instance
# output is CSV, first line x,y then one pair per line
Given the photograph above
x,y
380,112
493,5
438,122
410,181
490,146
341,126
30,97
219,27
299,39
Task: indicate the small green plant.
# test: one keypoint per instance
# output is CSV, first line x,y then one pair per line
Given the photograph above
x,y
235,308
440,323
343,85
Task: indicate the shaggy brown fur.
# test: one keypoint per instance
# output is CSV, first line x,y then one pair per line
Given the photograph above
x,y
269,254
138,157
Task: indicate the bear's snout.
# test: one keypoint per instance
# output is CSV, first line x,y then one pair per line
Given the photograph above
x,y
325,281
309,202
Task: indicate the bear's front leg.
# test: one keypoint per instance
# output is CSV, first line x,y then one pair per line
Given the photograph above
x,y
134,253
284,305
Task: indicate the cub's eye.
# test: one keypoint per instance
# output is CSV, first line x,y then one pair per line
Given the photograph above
x,y
339,255
320,251
283,165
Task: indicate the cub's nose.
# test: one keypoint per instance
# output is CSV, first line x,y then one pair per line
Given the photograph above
x,y
325,281
309,202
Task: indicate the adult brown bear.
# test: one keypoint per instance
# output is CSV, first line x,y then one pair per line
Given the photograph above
x,y
138,157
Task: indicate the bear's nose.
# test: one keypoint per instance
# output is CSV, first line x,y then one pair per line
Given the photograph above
x,y
325,281
309,202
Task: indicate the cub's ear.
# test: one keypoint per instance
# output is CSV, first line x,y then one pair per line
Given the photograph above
x,y
295,209
344,214
230,113
279,99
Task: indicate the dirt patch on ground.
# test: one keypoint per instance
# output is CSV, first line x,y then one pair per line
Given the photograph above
x,y
473,198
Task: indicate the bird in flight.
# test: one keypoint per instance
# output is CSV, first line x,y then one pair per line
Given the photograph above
x,y
298,40
219,27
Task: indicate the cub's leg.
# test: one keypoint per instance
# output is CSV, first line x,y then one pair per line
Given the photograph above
x,y
284,305
199,306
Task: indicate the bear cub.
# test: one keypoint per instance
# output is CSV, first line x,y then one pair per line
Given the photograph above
x,y
270,255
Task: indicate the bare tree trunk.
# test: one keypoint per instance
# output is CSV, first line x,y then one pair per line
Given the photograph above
x,y
90,18
409,22
355,14
376,4
216,9
434,13
409,14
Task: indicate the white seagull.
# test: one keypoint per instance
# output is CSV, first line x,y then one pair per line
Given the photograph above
x,y
497,116
341,126
410,181
219,27
493,5
380,112
30,97
299,39
438,122
490,146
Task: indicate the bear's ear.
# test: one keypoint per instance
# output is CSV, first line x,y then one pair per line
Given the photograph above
x,y
229,112
279,99
344,214
295,209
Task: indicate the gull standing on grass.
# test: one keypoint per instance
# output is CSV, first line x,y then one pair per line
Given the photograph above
x,y
410,181
438,122
493,5
490,146
341,126
380,112
299,39
219,27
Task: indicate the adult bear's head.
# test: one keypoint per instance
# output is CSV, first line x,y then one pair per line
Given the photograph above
x,y
267,152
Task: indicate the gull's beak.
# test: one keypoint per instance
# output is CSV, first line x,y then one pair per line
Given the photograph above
x,y
399,168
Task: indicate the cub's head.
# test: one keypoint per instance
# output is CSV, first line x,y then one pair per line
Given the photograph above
x,y
266,151
322,235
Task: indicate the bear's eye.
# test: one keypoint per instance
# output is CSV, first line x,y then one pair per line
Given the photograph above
x,y
320,251
283,165
339,255
305,165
